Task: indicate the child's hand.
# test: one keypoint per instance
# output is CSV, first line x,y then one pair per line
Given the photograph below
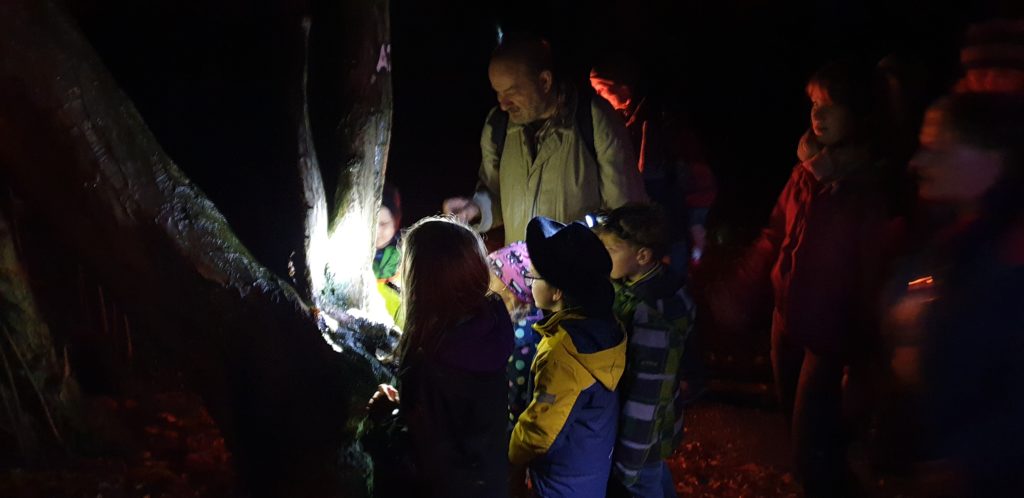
x,y
383,403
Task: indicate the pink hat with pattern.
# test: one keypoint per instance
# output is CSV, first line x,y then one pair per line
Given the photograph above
x,y
511,264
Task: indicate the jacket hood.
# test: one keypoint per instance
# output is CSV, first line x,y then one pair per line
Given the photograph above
x,y
599,345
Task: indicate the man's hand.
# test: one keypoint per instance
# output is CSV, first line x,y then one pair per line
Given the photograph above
x,y
383,403
462,208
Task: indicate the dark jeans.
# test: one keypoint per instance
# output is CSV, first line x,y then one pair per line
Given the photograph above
x,y
810,390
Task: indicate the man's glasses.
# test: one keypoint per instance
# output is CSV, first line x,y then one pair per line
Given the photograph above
x,y
530,279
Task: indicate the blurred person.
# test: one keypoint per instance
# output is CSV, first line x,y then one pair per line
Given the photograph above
x,y
993,57
957,314
676,176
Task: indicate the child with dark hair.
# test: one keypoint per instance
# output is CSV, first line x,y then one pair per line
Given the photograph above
x,y
451,370
567,433
821,256
387,256
652,303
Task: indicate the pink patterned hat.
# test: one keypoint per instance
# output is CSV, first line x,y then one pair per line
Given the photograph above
x,y
511,264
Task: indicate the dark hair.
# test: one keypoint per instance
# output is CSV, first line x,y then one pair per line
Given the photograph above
x,y
988,120
527,49
991,121
445,279
391,199
642,225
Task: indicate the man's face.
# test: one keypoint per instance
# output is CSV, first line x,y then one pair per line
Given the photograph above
x,y
524,96
617,94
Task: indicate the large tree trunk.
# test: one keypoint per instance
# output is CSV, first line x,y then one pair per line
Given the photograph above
x,y
74,148
350,112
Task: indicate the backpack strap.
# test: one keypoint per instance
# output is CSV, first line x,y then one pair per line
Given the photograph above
x,y
585,122
498,122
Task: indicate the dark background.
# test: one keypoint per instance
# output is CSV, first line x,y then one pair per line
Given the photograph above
x,y
215,83
212,80
737,67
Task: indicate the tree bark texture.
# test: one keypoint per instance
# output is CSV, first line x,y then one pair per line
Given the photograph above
x,y
39,399
76,151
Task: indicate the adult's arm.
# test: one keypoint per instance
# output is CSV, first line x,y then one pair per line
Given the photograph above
x,y
750,282
620,178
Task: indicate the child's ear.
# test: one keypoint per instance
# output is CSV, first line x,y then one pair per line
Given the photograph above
x,y
556,295
644,256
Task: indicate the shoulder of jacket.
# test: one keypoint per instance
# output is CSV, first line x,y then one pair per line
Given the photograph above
x,y
492,115
600,109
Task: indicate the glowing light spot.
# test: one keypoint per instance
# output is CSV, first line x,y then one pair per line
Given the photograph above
x,y
340,262
921,283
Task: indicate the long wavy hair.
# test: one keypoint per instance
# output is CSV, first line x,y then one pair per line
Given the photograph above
x,y
445,280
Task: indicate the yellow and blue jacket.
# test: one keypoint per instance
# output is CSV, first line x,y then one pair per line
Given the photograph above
x,y
568,431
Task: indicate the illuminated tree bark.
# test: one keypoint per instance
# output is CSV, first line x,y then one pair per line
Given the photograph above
x,y
76,151
350,109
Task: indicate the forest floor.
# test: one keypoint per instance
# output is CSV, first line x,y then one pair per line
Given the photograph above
x,y
172,449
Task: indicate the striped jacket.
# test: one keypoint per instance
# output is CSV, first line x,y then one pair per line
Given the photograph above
x,y
658,315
